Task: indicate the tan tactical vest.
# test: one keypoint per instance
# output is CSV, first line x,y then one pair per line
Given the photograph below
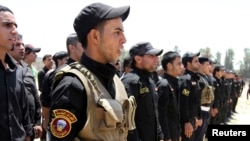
x,y
107,119
207,93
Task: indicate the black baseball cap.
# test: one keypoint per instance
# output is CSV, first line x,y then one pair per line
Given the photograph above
x,y
219,67
144,48
203,59
190,54
31,48
91,15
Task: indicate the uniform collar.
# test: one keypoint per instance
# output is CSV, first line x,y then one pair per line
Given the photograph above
x,y
106,71
142,73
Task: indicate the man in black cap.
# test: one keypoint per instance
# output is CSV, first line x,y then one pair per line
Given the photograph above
x,y
139,83
190,98
207,97
89,100
30,57
169,96
219,95
15,122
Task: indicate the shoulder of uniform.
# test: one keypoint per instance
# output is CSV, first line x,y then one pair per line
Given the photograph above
x,y
162,83
131,77
185,77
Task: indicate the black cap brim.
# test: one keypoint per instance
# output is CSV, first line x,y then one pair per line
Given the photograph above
x,y
122,12
36,49
155,51
197,54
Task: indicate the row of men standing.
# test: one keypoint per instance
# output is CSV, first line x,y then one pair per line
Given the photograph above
x,y
187,102
174,108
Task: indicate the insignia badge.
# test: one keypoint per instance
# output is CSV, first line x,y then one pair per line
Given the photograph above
x,y
144,90
61,124
185,92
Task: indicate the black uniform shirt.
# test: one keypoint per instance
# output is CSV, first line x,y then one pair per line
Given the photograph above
x,y
140,84
168,106
190,97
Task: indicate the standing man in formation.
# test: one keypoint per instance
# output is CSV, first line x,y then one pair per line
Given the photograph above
x,y
139,83
169,96
81,96
190,107
207,97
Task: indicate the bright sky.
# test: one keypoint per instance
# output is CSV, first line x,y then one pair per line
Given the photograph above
x,y
189,24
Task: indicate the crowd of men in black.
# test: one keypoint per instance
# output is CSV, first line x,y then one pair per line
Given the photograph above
x,y
188,99
173,103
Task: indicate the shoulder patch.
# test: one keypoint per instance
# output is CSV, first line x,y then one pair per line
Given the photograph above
x,y
185,92
61,125
144,90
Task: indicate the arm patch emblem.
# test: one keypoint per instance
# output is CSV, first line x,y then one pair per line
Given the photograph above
x,y
185,92
61,125
144,90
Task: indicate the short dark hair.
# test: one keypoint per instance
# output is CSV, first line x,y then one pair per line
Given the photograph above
x,y
71,40
99,27
126,62
186,60
5,9
46,56
169,57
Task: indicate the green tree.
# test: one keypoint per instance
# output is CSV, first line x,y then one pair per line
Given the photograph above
x,y
229,58
218,57
245,64
206,52
176,49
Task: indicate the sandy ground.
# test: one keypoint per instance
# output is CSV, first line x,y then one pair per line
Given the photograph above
x,y
243,110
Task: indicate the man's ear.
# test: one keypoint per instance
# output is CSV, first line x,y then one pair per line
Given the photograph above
x,y
94,36
138,58
169,66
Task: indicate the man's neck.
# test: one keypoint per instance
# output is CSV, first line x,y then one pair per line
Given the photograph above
x,y
3,54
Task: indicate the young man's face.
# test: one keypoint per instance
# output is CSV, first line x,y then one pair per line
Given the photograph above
x,y
48,62
8,30
111,40
18,50
149,62
194,65
176,68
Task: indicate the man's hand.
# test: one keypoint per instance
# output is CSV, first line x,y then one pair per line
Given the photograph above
x,y
188,127
38,131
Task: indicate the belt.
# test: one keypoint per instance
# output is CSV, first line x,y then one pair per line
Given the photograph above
x,y
205,108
